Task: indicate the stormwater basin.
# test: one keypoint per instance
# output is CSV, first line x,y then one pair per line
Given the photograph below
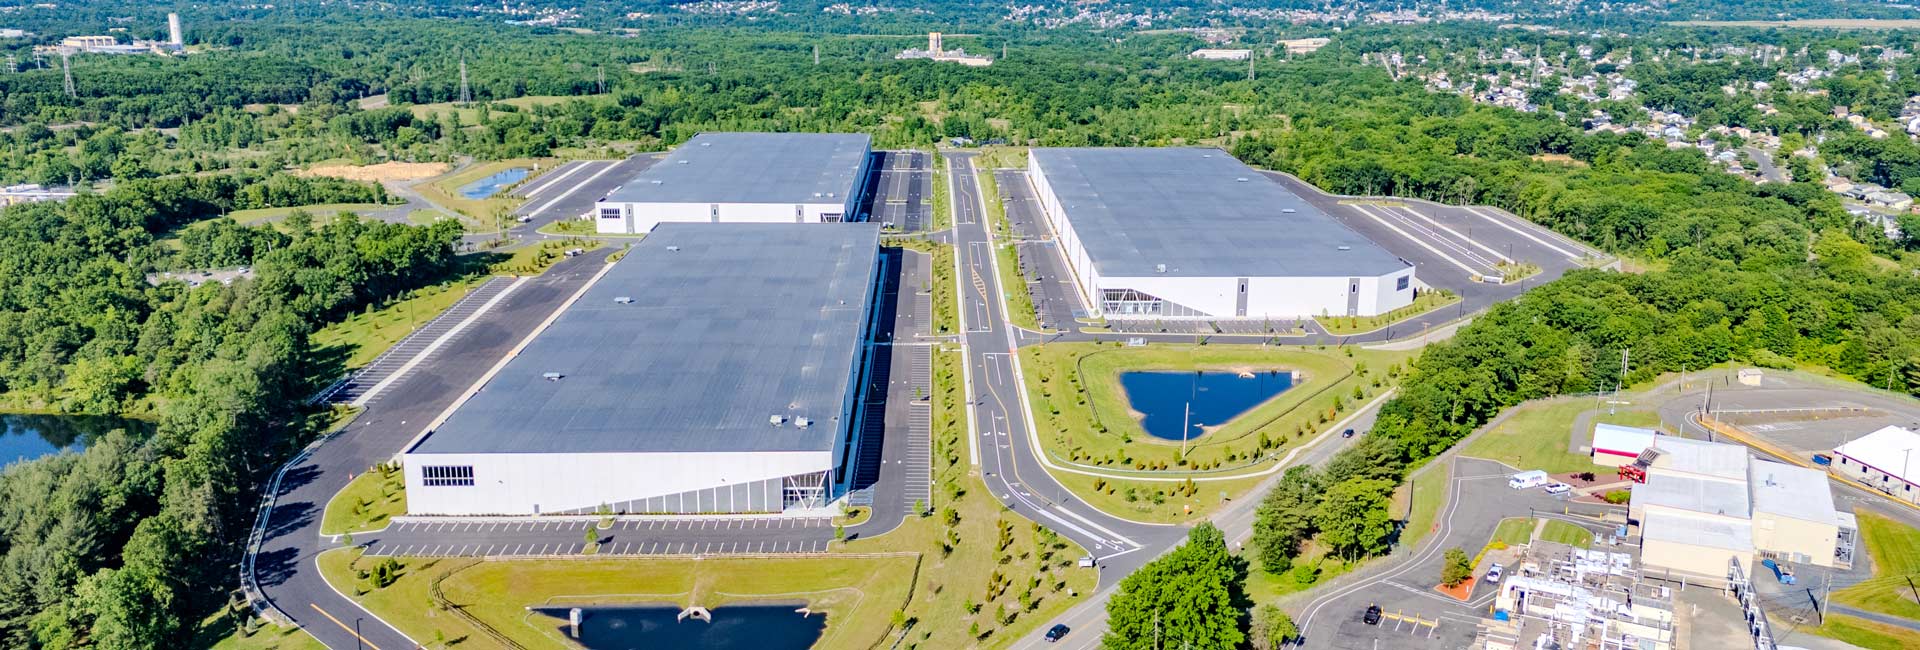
x,y
486,187
29,436
1161,397
746,626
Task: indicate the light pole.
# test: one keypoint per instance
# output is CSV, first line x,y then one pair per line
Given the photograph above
x,y
356,633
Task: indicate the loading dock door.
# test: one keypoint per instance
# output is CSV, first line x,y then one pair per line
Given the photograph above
x,y
1353,296
1240,301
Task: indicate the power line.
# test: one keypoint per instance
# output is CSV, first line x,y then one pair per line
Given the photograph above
x,y
66,68
466,94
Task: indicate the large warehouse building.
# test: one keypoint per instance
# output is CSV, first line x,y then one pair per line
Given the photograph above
x,y
1191,233
744,177
714,369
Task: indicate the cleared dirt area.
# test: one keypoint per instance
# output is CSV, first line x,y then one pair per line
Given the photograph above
x,y
386,171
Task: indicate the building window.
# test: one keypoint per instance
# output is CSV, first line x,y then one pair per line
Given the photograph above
x,y
609,213
447,475
1401,284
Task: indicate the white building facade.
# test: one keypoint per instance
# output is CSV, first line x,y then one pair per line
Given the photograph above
x,y
744,178
1192,234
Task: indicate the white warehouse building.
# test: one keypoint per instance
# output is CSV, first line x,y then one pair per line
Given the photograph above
x,y
714,369
1191,233
744,177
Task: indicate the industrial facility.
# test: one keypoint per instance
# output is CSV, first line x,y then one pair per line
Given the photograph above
x,y
714,369
1882,459
1705,506
1191,233
744,177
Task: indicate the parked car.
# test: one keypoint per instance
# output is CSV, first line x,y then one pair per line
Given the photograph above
x,y
1822,460
1558,488
1347,434
1493,574
1372,616
1057,632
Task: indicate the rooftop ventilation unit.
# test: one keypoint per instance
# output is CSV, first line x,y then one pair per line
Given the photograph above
x,y
776,419
1345,247
671,249
656,181
1159,268
801,422
1241,179
706,144
623,300
1288,210
551,376
683,162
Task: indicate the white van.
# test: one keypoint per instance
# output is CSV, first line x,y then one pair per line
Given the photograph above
x,y
1524,480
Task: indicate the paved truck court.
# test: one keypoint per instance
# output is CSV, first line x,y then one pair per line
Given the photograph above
x,y
570,190
902,191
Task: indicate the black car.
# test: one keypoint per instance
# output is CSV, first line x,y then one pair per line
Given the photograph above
x,y
1056,632
1372,617
1347,434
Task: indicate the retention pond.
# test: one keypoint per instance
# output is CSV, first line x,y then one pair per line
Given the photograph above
x,y
1163,398
747,626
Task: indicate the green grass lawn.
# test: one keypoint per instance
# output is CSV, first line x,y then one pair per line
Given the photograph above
x,y
1083,416
534,259
1566,533
1423,495
942,196
1513,531
1428,302
1001,157
1867,634
1263,587
369,500
320,212
1895,549
1536,436
221,632
363,336
482,214
1019,303
857,594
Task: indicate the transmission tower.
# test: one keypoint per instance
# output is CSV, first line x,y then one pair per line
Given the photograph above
x,y
11,68
66,67
1249,67
601,72
816,54
466,94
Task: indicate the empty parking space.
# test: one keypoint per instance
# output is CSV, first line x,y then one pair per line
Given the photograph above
x,y
570,191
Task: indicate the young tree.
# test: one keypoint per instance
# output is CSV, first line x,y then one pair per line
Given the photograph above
x,y
1271,628
1457,569
1192,598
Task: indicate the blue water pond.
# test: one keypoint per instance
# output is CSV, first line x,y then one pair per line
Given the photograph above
x,y
486,187
1216,397
26,437
760,626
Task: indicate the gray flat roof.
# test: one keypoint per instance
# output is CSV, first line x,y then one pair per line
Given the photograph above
x,y
1202,214
742,322
753,168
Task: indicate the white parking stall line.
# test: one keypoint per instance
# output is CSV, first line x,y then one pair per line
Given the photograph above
x,y
1456,233
1523,233
1416,240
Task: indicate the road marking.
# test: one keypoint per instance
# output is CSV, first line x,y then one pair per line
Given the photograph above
x,y
536,211
343,626
1456,233
438,342
1502,222
1416,240
557,178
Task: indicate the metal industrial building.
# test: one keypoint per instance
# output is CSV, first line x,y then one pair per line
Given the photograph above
x,y
717,368
1705,504
1191,233
744,177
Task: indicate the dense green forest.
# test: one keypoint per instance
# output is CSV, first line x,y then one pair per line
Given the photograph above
x,y
122,545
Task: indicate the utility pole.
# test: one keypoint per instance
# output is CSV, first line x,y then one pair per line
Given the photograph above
x,y
66,67
466,93
816,54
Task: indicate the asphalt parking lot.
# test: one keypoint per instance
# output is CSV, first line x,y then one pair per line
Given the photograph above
x,y
902,190
627,536
570,190
1450,245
